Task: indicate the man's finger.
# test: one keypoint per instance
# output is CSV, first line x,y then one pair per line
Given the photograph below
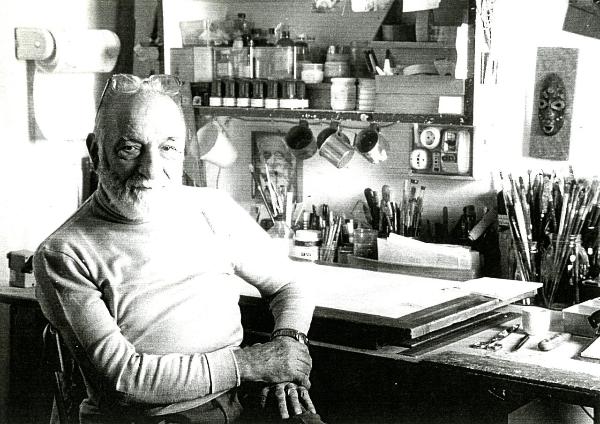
x,y
281,402
292,395
264,394
303,381
303,392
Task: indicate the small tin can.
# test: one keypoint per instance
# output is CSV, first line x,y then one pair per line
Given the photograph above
x,y
306,245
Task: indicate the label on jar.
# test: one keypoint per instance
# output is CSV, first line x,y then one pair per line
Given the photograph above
x,y
307,253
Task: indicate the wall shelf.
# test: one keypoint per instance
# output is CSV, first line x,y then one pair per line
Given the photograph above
x,y
329,115
412,44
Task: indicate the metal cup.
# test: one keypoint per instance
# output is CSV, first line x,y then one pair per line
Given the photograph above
x,y
301,141
371,144
336,147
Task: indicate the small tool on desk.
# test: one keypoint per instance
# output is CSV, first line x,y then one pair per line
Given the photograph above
x,y
521,342
494,342
553,341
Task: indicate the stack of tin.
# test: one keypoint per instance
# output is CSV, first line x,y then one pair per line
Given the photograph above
x,y
365,100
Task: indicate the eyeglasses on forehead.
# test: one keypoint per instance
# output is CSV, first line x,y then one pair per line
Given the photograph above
x,y
130,84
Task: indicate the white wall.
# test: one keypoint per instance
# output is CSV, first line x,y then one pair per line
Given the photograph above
x,y
505,109
40,175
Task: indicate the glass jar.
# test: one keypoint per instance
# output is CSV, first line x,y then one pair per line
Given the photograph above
x,y
281,235
365,243
560,270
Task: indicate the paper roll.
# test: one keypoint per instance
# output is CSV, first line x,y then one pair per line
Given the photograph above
x,y
90,50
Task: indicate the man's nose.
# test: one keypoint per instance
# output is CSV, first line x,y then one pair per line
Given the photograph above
x,y
151,165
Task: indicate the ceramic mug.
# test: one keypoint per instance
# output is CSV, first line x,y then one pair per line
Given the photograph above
x,y
214,145
335,146
301,141
371,144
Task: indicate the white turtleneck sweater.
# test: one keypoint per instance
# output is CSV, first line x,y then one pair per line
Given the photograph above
x,y
150,308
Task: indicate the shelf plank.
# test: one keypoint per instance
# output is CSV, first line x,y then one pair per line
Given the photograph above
x,y
412,45
329,115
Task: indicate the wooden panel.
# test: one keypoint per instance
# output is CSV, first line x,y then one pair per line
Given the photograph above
x,y
586,382
420,84
337,27
563,62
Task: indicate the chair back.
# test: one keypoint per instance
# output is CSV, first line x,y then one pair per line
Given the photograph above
x,y
67,379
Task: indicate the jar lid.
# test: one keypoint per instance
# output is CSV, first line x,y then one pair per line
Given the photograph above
x,y
306,66
308,235
343,81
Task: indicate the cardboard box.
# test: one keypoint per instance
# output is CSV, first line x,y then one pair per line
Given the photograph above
x,y
20,264
415,94
575,318
193,64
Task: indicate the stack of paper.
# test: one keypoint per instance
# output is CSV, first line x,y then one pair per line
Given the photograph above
x,y
416,5
406,251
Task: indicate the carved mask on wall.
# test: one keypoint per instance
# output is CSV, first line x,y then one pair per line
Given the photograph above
x,y
552,104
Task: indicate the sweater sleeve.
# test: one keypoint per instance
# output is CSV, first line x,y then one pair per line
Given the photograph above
x,y
258,261
74,305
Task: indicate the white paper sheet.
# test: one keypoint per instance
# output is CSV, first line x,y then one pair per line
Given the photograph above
x,y
416,5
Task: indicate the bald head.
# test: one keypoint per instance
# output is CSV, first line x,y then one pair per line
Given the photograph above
x,y
146,105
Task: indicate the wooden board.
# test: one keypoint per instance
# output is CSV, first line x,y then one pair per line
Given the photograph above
x,y
562,61
587,380
434,340
409,306
420,84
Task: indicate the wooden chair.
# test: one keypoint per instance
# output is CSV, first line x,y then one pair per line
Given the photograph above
x,y
67,379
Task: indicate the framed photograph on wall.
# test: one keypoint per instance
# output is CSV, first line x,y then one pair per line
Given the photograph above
x,y
271,154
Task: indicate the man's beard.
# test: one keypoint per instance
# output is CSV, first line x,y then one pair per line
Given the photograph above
x,y
127,196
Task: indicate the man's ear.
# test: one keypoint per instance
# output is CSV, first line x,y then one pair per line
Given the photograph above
x,y
92,146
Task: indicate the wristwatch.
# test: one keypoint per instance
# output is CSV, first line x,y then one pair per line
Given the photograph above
x,y
289,332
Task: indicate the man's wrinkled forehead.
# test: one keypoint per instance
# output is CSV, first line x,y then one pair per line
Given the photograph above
x,y
144,108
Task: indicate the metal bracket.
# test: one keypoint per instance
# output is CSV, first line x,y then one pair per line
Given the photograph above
x,y
33,44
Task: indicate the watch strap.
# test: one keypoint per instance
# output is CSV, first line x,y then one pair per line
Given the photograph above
x,y
290,332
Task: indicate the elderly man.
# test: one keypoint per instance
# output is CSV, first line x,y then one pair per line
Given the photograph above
x,y
142,281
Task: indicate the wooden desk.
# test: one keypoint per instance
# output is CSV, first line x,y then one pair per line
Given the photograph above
x,y
391,376
29,387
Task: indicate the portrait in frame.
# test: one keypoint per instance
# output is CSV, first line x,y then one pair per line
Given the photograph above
x,y
269,151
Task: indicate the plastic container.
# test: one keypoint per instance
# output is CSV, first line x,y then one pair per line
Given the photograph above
x,y
336,69
283,63
263,62
343,93
365,243
312,73
306,245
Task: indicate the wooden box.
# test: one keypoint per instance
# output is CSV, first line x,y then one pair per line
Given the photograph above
x,y
575,318
413,94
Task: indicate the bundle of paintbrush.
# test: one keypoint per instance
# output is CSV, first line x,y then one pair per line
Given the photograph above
x,y
546,212
330,236
402,217
274,198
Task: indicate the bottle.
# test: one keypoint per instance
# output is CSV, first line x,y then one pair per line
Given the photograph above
x,y
284,60
258,37
245,28
285,40
271,37
301,55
